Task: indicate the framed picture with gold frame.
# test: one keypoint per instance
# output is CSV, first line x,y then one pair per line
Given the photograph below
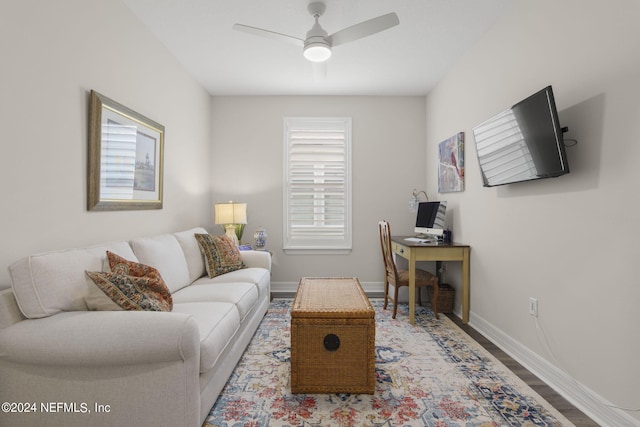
x,y
126,156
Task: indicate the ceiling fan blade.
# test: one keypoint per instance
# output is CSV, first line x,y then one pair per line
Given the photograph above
x,y
269,34
364,29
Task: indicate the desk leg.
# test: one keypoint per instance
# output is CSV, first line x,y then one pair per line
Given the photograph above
x,y
412,287
465,286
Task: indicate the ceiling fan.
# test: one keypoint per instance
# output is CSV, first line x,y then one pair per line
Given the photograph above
x,y
317,44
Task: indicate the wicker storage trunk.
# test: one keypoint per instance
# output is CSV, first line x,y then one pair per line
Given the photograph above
x,y
332,337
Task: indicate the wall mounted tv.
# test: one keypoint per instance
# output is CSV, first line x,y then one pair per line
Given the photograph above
x,y
522,143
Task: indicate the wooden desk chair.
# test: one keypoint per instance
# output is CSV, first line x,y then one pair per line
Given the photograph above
x,y
398,278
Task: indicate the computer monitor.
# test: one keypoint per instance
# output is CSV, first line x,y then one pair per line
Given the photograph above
x,y
430,219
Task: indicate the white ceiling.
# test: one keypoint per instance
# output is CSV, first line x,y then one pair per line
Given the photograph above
x,y
408,59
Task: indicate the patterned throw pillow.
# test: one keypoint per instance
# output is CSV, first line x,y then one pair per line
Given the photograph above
x,y
120,265
220,253
97,300
133,286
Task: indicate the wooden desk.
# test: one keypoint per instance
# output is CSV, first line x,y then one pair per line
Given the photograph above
x,y
416,251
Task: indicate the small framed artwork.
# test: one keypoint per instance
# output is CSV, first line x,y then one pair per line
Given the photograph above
x,y
126,155
451,164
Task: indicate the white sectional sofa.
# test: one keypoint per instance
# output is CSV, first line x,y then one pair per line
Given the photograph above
x,y
64,365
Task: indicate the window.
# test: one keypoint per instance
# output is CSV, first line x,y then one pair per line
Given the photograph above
x,y
317,188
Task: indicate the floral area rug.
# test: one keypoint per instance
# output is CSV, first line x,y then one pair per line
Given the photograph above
x,y
429,374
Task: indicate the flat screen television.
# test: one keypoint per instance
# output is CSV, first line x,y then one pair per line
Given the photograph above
x,y
430,219
522,143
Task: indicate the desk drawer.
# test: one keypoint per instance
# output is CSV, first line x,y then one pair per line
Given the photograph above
x,y
399,249
430,252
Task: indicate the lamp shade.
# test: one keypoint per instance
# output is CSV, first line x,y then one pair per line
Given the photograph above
x,y
231,213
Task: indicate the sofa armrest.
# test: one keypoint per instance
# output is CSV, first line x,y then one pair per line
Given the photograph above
x,y
101,338
9,310
260,259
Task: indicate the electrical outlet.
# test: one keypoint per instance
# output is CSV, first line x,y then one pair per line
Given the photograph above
x,y
533,306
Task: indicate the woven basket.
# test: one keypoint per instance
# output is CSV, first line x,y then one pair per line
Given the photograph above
x,y
446,295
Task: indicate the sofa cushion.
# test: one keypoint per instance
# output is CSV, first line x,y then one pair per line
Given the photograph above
x,y
192,253
220,253
165,254
251,275
243,295
49,283
257,276
217,324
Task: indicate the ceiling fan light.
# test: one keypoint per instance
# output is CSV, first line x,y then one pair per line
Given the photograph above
x,y
317,52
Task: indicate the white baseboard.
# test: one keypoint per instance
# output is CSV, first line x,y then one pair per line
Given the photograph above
x,y
589,402
283,289
288,289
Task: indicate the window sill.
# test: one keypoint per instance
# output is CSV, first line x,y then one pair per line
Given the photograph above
x,y
316,251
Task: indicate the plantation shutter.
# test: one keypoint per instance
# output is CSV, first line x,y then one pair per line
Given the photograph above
x,y
317,184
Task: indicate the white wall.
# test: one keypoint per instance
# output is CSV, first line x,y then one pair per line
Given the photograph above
x,y
53,54
571,242
388,162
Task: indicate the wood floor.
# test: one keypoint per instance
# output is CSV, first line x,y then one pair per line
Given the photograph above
x,y
572,413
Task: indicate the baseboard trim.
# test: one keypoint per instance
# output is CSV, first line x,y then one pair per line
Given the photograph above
x,y
288,289
583,398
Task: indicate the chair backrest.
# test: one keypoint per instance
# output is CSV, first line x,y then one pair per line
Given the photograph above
x,y
384,230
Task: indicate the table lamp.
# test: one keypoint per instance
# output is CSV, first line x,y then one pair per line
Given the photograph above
x,y
415,200
232,217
